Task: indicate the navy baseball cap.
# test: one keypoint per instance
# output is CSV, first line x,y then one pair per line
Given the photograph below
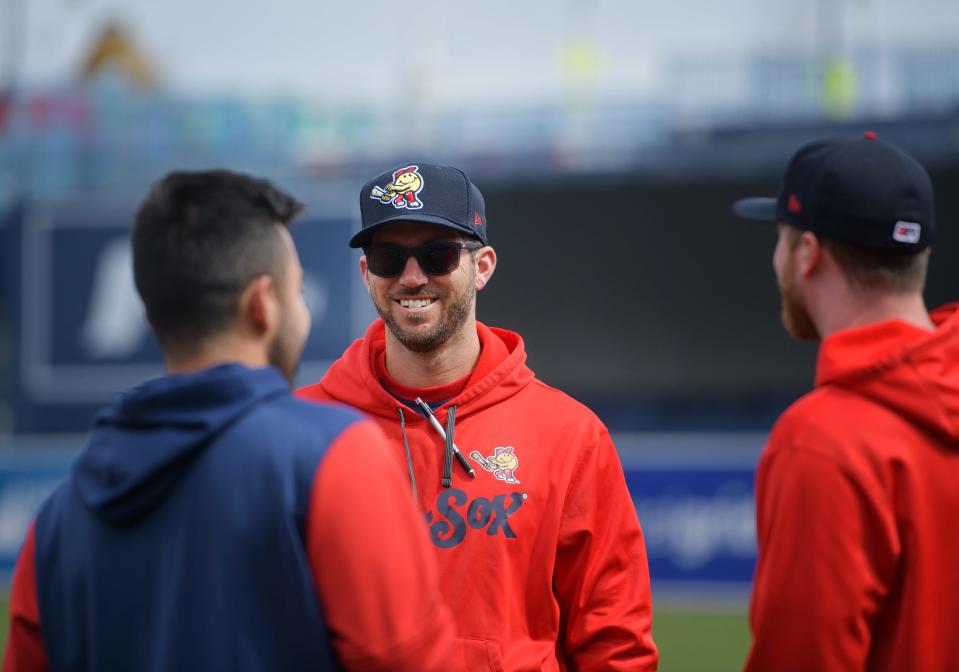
x,y
422,192
861,191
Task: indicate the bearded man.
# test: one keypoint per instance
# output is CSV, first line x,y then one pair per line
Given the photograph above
x,y
541,557
857,503
211,522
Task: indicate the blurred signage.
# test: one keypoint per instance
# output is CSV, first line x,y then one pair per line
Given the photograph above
x,y
77,326
698,522
694,493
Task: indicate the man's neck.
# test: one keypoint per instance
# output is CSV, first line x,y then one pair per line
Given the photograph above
x,y
875,307
451,361
225,350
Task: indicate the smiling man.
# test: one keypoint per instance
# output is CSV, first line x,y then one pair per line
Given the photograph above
x,y
540,552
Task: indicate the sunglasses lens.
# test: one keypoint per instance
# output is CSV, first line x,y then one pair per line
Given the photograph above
x,y
386,260
438,259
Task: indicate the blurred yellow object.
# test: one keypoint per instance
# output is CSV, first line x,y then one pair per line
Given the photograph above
x,y
580,61
114,50
839,88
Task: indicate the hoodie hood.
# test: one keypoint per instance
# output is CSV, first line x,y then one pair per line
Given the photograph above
x,y
144,441
352,379
913,372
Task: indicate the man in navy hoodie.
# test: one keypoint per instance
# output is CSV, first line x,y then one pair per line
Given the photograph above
x,y
214,522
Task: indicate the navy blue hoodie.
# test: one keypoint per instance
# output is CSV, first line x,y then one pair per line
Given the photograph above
x,y
177,542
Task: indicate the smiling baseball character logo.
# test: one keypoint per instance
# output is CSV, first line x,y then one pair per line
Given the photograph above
x,y
502,463
402,191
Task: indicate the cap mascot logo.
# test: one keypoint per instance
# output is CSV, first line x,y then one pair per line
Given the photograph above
x,y
402,191
503,462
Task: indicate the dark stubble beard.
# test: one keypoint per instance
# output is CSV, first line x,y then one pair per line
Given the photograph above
x,y
795,317
284,353
449,324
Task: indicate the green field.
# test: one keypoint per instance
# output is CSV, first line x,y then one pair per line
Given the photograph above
x,y
699,641
688,641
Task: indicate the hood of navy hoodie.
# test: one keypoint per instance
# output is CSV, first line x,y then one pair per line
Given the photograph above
x,y
145,440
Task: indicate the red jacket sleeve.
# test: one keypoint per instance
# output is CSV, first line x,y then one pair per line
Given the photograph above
x,y
602,575
825,558
25,652
374,569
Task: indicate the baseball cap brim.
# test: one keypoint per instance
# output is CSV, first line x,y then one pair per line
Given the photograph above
x,y
759,209
363,238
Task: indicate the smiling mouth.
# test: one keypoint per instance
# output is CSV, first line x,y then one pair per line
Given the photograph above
x,y
415,303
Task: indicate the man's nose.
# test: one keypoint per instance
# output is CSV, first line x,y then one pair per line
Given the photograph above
x,y
413,275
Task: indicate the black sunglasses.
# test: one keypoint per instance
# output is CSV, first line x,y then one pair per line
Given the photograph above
x,y
387,260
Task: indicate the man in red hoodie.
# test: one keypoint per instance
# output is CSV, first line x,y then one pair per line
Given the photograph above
x,y
540,552
857,497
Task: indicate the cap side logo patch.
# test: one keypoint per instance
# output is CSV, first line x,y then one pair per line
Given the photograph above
x,y
907,232
793,204
402,191
477,220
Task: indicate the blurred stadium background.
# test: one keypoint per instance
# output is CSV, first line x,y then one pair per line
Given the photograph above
x,y
609,138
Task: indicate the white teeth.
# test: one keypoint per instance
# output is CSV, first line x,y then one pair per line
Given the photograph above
x,y
415,303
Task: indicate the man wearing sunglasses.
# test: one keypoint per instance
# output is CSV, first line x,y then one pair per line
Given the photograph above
x,y
540,552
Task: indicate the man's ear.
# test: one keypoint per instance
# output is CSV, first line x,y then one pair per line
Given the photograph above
x,y
809,254
365,272
485,266
260,305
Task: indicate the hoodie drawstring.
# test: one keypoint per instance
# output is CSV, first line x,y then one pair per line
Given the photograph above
x,y
406,445
447,480
451,450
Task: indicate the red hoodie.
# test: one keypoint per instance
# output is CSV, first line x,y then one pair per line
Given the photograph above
x,y
858,505
541,556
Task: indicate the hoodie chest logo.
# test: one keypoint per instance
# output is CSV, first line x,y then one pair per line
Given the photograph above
x,y
449,529
502,463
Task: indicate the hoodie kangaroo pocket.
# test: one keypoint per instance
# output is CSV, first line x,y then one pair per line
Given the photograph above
x,y
475,655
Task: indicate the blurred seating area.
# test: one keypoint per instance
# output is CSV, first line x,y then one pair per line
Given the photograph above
x,y
105,133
